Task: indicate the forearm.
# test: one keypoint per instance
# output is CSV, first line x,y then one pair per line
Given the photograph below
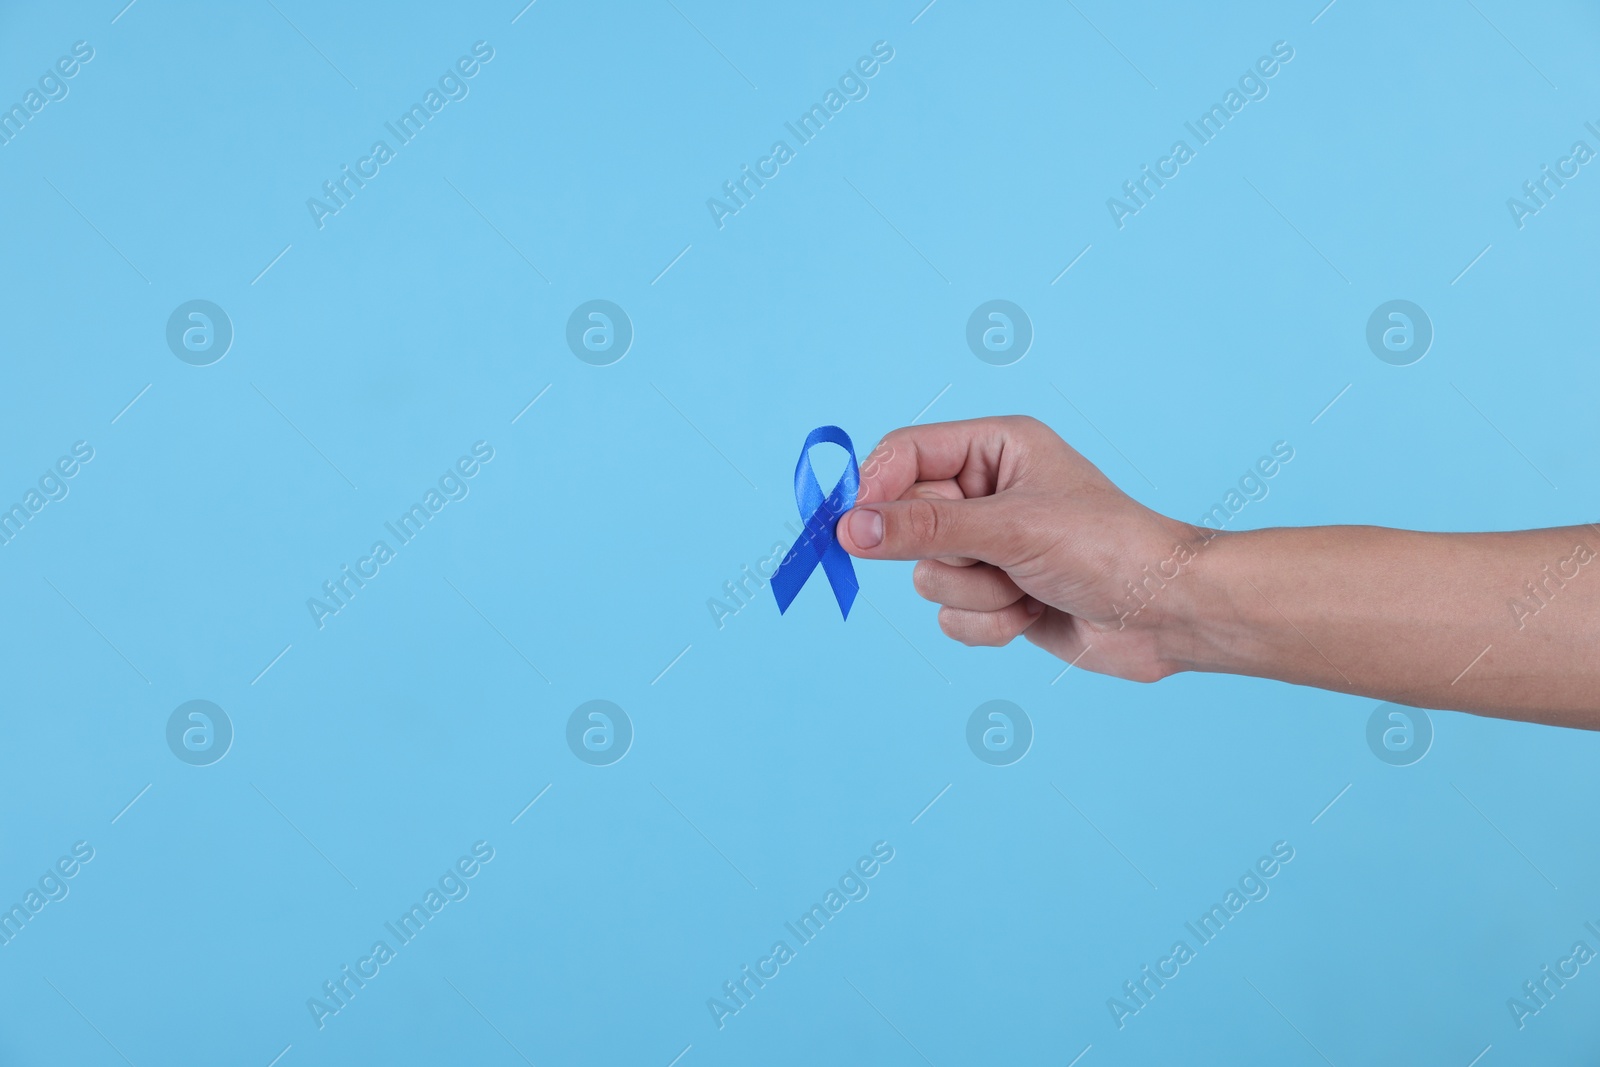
x,y
1504,624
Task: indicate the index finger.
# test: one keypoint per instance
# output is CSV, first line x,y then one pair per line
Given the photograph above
x,y
967,452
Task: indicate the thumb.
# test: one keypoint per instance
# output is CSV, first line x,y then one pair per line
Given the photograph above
x,y
924,528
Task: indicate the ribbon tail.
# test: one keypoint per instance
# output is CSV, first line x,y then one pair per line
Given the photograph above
x,y
791,576
841,572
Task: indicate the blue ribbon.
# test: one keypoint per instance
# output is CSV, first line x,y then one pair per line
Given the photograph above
x,y
818,543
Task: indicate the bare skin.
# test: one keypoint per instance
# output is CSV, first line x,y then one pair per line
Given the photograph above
x,y
1019,535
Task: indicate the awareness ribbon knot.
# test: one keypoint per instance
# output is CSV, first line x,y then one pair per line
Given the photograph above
x,y
818,542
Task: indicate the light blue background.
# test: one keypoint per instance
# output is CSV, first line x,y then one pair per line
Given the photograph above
x,y
776,750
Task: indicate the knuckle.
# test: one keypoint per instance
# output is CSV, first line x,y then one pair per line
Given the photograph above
x,y
922,522
1022,424
925,580
873,466
1009,621
954,626
995,630
972,628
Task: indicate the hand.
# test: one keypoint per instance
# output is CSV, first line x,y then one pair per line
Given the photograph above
x,y
1016,533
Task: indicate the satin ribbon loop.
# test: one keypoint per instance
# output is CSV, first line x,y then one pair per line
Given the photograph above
x,y
818,541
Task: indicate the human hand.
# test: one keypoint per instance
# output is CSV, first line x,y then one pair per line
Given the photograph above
x,y
1016,533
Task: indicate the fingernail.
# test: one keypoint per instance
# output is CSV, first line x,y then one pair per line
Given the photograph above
x,y
866,527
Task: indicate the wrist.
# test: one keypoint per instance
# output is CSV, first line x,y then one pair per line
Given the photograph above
x,y
1203,621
